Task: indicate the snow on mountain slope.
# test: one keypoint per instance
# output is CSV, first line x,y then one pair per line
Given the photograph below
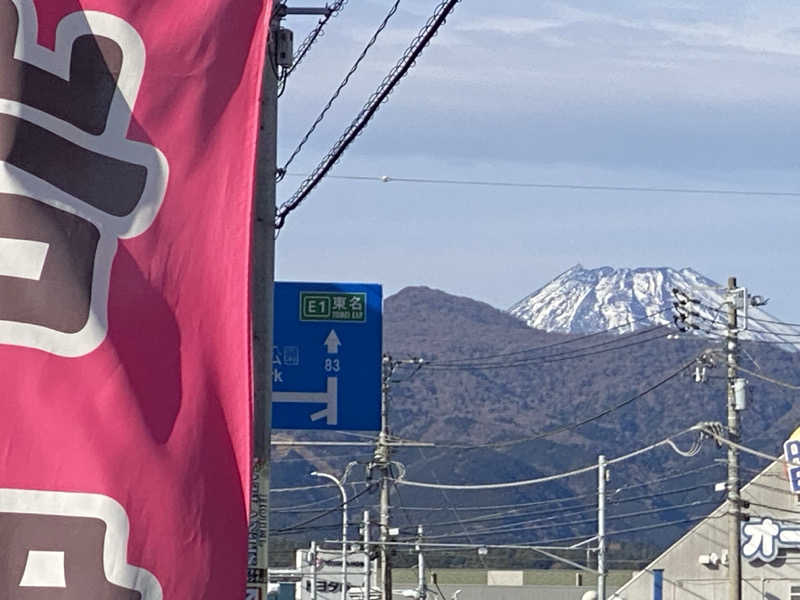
x,y
624,300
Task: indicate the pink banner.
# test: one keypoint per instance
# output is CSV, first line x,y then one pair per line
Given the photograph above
x,y
127,150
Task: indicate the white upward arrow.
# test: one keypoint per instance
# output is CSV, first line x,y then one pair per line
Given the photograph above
x,y
332,342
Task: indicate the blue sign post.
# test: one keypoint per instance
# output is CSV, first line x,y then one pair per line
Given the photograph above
x,y
326,359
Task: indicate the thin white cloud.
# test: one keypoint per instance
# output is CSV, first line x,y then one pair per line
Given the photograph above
x,y
513,25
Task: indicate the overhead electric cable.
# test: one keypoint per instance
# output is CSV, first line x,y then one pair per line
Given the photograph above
x,y
303,507
564,499
563,186
515,509
301,488
772,380
455,362
560,512
772,507
570,355
576,424
679,475
399,497
450,504
723,440
316,33
757,320
299,525
510,484
342,85
771,322
533,524
571,340
405,63
692,519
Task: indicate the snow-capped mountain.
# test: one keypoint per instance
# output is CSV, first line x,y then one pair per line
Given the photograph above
x,y
623,300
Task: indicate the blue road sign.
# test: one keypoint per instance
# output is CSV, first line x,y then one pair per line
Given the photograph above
x,y
326,358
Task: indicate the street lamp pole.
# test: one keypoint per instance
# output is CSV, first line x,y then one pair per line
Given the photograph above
x,y
344,527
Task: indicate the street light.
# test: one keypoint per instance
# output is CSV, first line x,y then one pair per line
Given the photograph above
x,y
344,527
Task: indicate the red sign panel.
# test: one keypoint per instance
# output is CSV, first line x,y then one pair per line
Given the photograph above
x,y
127,151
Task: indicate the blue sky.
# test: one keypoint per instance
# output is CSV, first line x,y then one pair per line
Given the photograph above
x,y
648,94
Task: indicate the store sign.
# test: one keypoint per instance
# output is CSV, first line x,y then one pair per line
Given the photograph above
x,y
791,452
763,538
323,575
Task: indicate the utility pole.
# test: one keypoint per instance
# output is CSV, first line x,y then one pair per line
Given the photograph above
x,y
263,284
382,461
601,527
382,458
422,592
734,500
262,289
367,559
313,554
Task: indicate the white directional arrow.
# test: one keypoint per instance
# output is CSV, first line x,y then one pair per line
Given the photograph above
x,y
332,342
328,397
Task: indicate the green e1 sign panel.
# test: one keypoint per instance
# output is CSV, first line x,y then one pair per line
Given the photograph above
x,y
326,357
333,306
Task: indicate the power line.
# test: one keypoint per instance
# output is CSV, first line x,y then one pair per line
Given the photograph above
x,y
763,330
575,424
514,508
723,440
571,340
562,186
679,475
299,526
760,320
772,380
772,507
369,109
568,355
305,46
692,519
341,87
301,488
530,525
546,478
448,503
563,511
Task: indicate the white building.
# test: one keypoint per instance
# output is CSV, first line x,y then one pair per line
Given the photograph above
x,y
696,566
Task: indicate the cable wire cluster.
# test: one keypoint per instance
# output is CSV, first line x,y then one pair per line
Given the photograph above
x,y
305,45
369,109
339,89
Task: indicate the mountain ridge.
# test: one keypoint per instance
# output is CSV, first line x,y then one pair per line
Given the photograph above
x,y
498,380
624,300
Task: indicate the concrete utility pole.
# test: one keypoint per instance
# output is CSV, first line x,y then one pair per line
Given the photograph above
x,y
382,461
367,566
382,458
734,500
262,288
601,527
313,554
422,592
263,284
